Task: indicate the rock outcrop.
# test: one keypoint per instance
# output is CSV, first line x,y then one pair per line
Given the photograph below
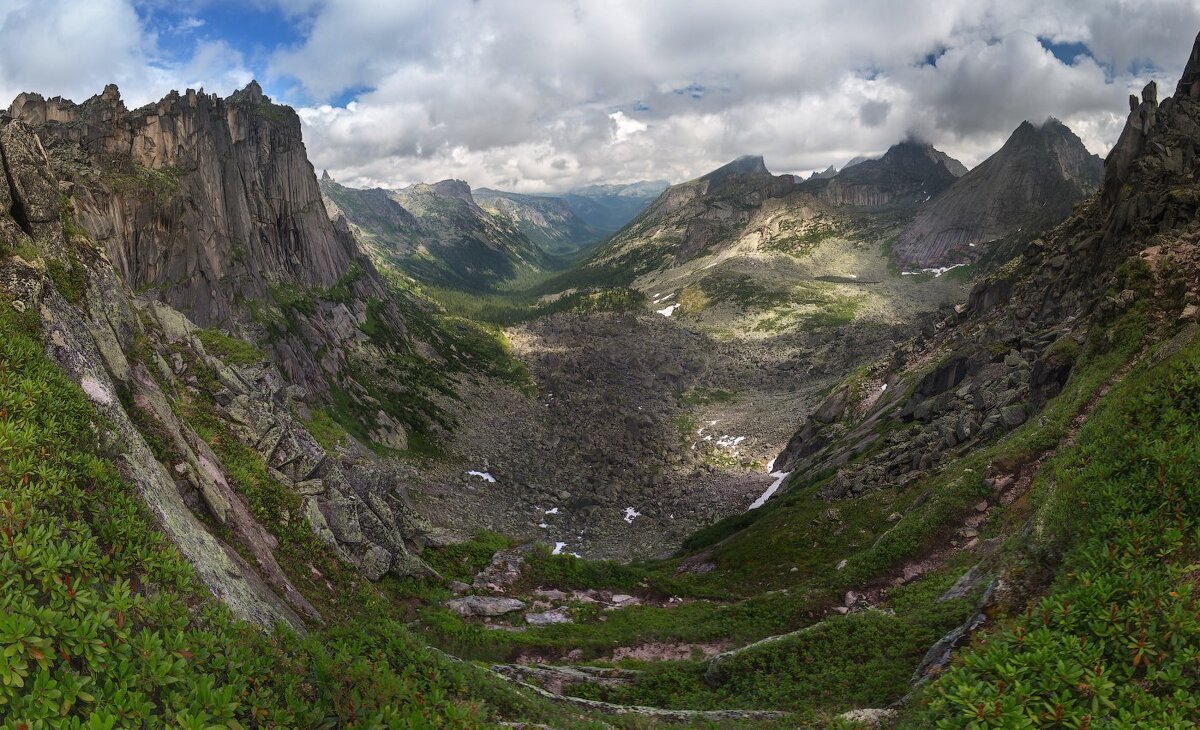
x,y
1030,184
199,199
89,340
82,213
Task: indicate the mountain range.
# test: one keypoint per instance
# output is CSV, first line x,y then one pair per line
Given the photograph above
x,y
897,445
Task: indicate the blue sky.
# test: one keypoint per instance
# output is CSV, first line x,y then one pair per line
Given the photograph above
x,y
255,31
542,95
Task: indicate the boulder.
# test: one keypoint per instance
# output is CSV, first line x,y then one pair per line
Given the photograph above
x,y
468,606
547,618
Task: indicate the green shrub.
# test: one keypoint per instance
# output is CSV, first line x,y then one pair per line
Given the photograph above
x,y
103,623
230,349
1116,641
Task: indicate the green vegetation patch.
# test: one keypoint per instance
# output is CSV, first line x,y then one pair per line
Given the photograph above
x,y
800,237
103,623
1116,641
232,350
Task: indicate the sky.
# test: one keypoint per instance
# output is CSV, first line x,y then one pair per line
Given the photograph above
x,y
547,95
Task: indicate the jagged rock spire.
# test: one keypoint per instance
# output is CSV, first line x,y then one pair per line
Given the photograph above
x,y
1189,83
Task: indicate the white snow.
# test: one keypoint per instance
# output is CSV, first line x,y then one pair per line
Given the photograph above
x,y
552,511
779,477
771,466
482,475
543,525
884,387
668,311
730,442
660,298
558,548
938,271
631,514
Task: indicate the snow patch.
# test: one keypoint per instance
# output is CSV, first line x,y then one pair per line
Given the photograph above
x,y
884,387
552,511
668,311
631,514
543,525
96,391
937,271
779,477
482,475
730,442
558,548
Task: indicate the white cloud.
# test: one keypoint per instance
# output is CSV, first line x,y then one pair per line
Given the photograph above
x,y
73,48
549,94
625,126
542,95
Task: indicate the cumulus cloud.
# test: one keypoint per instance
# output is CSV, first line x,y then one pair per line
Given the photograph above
x,y
73,48
544,95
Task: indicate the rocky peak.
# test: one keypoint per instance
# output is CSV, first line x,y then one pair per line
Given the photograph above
x,y
908,173
452,189
251,94
201,200
325,177
745,165
1029,184
1189,82
1132,142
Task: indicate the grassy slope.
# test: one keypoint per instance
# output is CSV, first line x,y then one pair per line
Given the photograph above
x,y
103,624
1116,640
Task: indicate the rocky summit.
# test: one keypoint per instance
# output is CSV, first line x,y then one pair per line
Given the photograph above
x,y
899,444
1029,185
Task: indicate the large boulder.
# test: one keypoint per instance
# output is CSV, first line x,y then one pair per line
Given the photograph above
x,y
468,606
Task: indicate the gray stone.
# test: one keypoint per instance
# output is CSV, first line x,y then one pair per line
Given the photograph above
x,y
547,618
1013,416
468,606
374,562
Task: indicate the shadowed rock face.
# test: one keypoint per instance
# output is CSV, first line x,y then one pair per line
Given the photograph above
x,y
1030,184
201,199
908,173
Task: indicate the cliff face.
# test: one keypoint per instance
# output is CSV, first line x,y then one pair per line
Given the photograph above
x,y
1030,184
202,200
909,173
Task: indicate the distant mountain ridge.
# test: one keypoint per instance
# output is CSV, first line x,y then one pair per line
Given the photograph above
x,y
907,174
548,221
437,233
